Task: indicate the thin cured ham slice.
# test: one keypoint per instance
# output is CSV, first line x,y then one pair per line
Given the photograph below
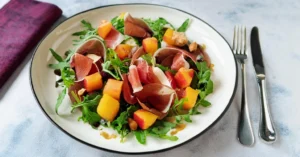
x,y
160,75
146,72
171,79
127,91
82,65
143,70
137,54
136,27
134,79
158,96
165,56
168,61
179,62
114,38
153,110
92,46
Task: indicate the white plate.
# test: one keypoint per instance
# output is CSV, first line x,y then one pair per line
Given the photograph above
x,y
60,39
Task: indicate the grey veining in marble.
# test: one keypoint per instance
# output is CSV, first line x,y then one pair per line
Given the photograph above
x,y
25,131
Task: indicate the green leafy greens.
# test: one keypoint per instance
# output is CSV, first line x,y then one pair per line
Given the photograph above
x,y
159,129
148,58
86,33
118,23
203,82
67,75
89,108
121,123
114,65
158,27
184,26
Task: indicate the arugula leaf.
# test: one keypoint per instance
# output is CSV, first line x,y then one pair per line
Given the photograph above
x,y
89,108
59,65
114,66
203,82
89,116
79,33
184,26
178,105
185,117
107,68
68,76
120,124
205,103
171,138
60,98
140,135
158,27
160,130
162,127
87,101
85,34
209,87
56,56
163,68
148,58
87,25
118,23
194,110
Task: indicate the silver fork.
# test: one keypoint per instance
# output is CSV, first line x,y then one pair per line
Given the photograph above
x,y
245,132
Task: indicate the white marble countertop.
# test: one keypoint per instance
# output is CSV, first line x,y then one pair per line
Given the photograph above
x,y
25,131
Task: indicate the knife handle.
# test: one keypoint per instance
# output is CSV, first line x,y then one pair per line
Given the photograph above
x,y
266,126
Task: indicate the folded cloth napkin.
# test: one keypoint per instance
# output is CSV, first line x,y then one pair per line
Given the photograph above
x,y
22,25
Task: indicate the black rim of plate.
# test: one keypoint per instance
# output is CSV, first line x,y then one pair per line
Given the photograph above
x,y
146,152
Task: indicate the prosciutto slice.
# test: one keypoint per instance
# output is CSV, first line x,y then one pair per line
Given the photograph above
x,y
159,96
93,46
127,91
179,62
153,110
160,75
114,38
136,27
134,79
82,65
165,56
137,54
146,72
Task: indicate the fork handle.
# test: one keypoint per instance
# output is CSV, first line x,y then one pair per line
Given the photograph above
x,y
266,126
245,132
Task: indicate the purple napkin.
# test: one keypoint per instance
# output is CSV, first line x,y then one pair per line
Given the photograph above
x,y
22,25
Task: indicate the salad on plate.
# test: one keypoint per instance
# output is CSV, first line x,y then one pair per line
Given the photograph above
x,y
137,76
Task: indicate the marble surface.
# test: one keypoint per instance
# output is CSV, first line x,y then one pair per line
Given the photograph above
x,y
25,131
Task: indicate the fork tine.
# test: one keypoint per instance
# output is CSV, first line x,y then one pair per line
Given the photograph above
x,y
234,40
241,51
238,40
245,41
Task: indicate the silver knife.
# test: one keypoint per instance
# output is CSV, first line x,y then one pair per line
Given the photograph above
x,y
266,125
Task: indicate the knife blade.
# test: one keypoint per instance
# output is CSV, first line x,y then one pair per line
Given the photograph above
x,y
256,52
266,126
